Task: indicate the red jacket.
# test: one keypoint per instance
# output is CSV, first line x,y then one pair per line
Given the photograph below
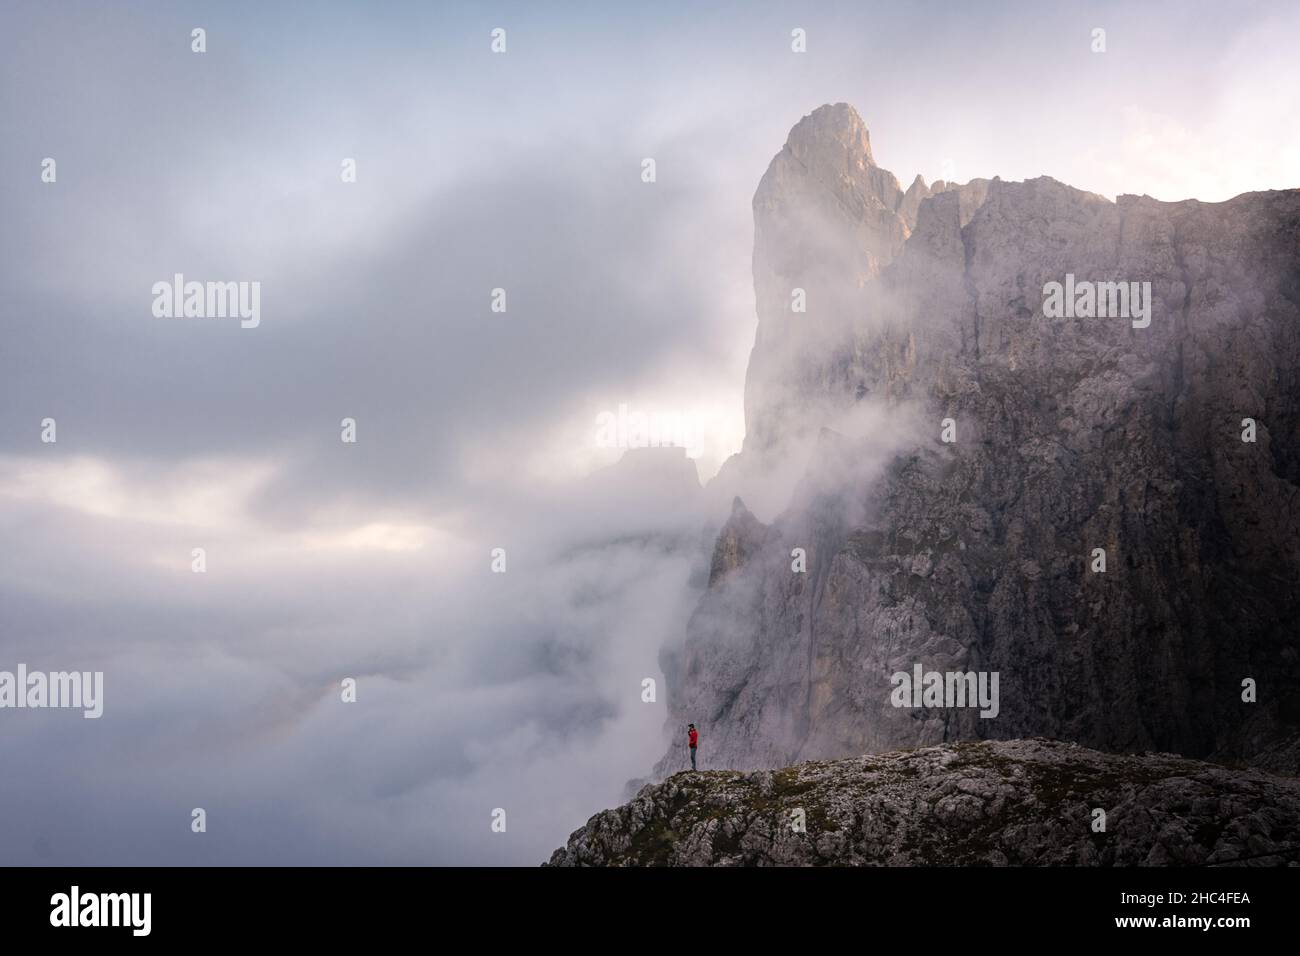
x,y
695,736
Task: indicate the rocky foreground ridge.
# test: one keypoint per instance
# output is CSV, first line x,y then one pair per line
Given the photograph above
x,y
1021,802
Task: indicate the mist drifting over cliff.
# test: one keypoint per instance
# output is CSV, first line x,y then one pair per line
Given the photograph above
x,y
477,430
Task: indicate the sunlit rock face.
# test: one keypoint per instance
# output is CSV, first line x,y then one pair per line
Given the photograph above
x,y
1121,433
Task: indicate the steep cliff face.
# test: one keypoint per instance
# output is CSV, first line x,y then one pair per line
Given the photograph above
x,y
1020,803
1071,435
826,222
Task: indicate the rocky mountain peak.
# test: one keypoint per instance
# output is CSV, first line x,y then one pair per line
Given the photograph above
x,y
1072,437
741,537
826,223
835,130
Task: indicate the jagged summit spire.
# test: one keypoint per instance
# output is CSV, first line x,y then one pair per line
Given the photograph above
x,y
825,219
828,126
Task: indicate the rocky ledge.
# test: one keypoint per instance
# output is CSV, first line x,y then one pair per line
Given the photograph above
x,y
1019,802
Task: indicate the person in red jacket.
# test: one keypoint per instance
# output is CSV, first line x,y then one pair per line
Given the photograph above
x,y
694,736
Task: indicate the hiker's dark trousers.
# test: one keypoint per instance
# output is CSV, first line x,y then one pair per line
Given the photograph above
x,y
692,758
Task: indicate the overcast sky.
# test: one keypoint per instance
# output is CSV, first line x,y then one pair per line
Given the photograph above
x,y
475,171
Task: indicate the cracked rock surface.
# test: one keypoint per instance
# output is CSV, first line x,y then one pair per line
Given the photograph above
x,y
1073,435
1019,802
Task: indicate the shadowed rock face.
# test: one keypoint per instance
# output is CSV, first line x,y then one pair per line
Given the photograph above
x,y
1024,802
1073,434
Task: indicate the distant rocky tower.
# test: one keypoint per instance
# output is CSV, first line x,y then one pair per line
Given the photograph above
x,y
827,221
1072,435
